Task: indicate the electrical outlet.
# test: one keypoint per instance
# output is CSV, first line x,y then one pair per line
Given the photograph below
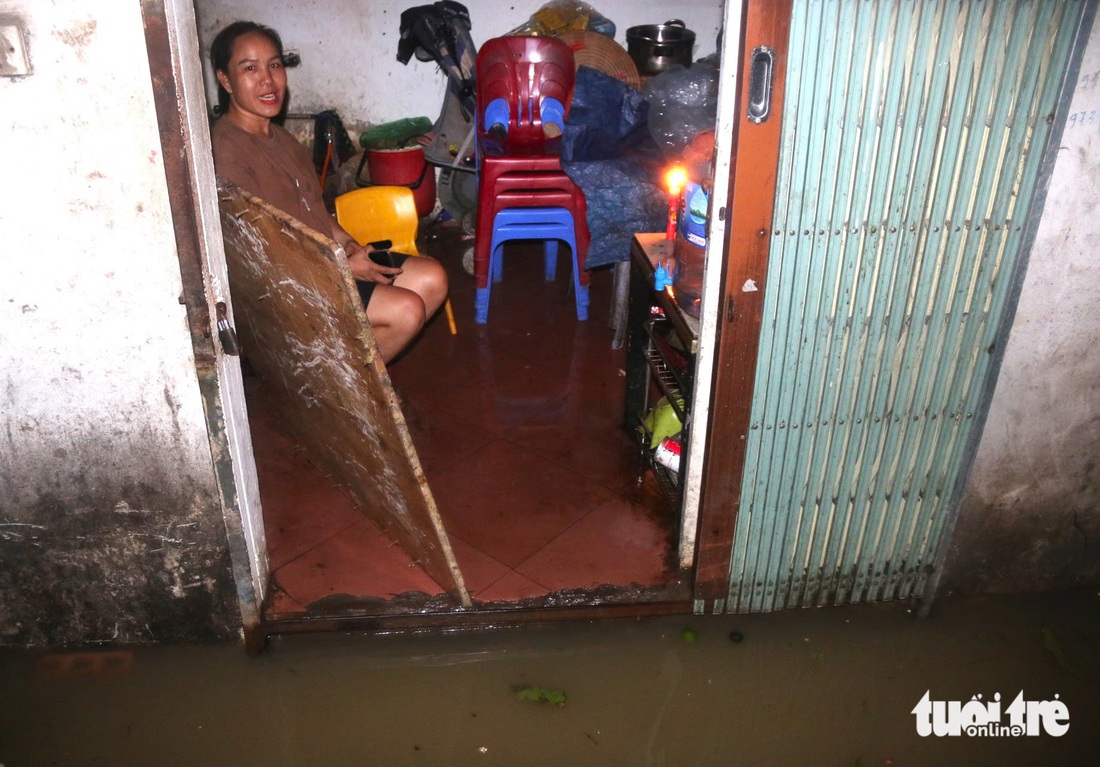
x,y
13,52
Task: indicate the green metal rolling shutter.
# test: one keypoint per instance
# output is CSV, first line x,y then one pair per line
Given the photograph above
x,y
912,141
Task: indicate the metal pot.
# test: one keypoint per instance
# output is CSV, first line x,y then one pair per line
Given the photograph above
x,y
656,47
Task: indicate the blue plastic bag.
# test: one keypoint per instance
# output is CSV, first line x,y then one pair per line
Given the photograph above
x,y
608,152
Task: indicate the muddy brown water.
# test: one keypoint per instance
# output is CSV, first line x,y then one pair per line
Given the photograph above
x,y
829,686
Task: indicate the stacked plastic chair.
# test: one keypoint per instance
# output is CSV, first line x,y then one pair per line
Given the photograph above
x,y
524,89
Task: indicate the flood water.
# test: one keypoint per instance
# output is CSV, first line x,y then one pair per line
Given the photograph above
x,y
830,686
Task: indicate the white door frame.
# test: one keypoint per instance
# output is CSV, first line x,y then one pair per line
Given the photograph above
x,y
192,183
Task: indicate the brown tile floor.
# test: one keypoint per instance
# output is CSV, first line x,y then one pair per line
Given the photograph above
x,y
518,426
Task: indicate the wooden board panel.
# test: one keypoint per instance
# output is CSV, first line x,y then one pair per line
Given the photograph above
x,y
303,329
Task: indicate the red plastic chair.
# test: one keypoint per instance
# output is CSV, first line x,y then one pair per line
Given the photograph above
x,y
523,71
522,169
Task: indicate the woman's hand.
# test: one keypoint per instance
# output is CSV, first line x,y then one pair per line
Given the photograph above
x,y
363,268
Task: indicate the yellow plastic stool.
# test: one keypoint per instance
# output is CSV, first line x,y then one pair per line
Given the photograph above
x,y
376,213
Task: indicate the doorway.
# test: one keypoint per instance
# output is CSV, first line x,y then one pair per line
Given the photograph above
x,y
579,460
518,427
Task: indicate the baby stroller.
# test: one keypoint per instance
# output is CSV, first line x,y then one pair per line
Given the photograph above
x,y
440,32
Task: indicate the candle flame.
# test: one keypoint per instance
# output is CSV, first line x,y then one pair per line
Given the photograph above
x,y
675,179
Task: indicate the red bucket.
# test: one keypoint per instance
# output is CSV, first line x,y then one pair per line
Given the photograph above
x,y
404,167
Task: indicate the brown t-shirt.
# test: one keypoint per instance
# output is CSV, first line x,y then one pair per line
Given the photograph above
x,y
276,168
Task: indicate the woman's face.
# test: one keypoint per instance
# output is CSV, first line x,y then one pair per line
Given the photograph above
x,y
255,80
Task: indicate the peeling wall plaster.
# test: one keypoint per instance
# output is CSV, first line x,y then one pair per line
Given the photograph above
x,y
1030,518
110,522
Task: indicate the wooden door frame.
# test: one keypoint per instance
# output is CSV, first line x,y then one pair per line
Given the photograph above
x,y
746,245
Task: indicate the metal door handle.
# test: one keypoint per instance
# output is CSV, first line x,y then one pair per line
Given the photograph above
x,y
761,69
226,334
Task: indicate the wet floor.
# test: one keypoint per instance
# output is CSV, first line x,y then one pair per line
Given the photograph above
x,y
832,686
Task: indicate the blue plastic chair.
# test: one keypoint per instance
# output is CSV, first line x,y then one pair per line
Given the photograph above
x,y
548,224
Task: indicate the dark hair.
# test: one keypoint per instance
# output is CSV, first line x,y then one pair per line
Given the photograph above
x,y
222,48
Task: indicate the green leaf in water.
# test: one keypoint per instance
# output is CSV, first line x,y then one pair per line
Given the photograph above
x,y
1050,644
539,694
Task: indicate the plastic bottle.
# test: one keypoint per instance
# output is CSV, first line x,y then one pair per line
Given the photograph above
x,y
690,247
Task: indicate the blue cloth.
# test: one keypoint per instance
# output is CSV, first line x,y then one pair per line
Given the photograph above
x,y
622,201
609,154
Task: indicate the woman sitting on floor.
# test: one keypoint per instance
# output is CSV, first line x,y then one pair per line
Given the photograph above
x,y
262,157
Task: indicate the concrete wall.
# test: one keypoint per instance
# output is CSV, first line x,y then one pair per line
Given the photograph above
x,y
1031,513
349,48
111,527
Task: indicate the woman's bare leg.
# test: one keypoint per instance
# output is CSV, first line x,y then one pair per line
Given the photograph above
x,y
427,278
397,312
396,316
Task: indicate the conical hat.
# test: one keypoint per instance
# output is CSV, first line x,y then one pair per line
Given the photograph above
x,y
591,49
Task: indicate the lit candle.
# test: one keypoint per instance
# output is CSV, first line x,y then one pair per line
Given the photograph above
x,y
674,179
